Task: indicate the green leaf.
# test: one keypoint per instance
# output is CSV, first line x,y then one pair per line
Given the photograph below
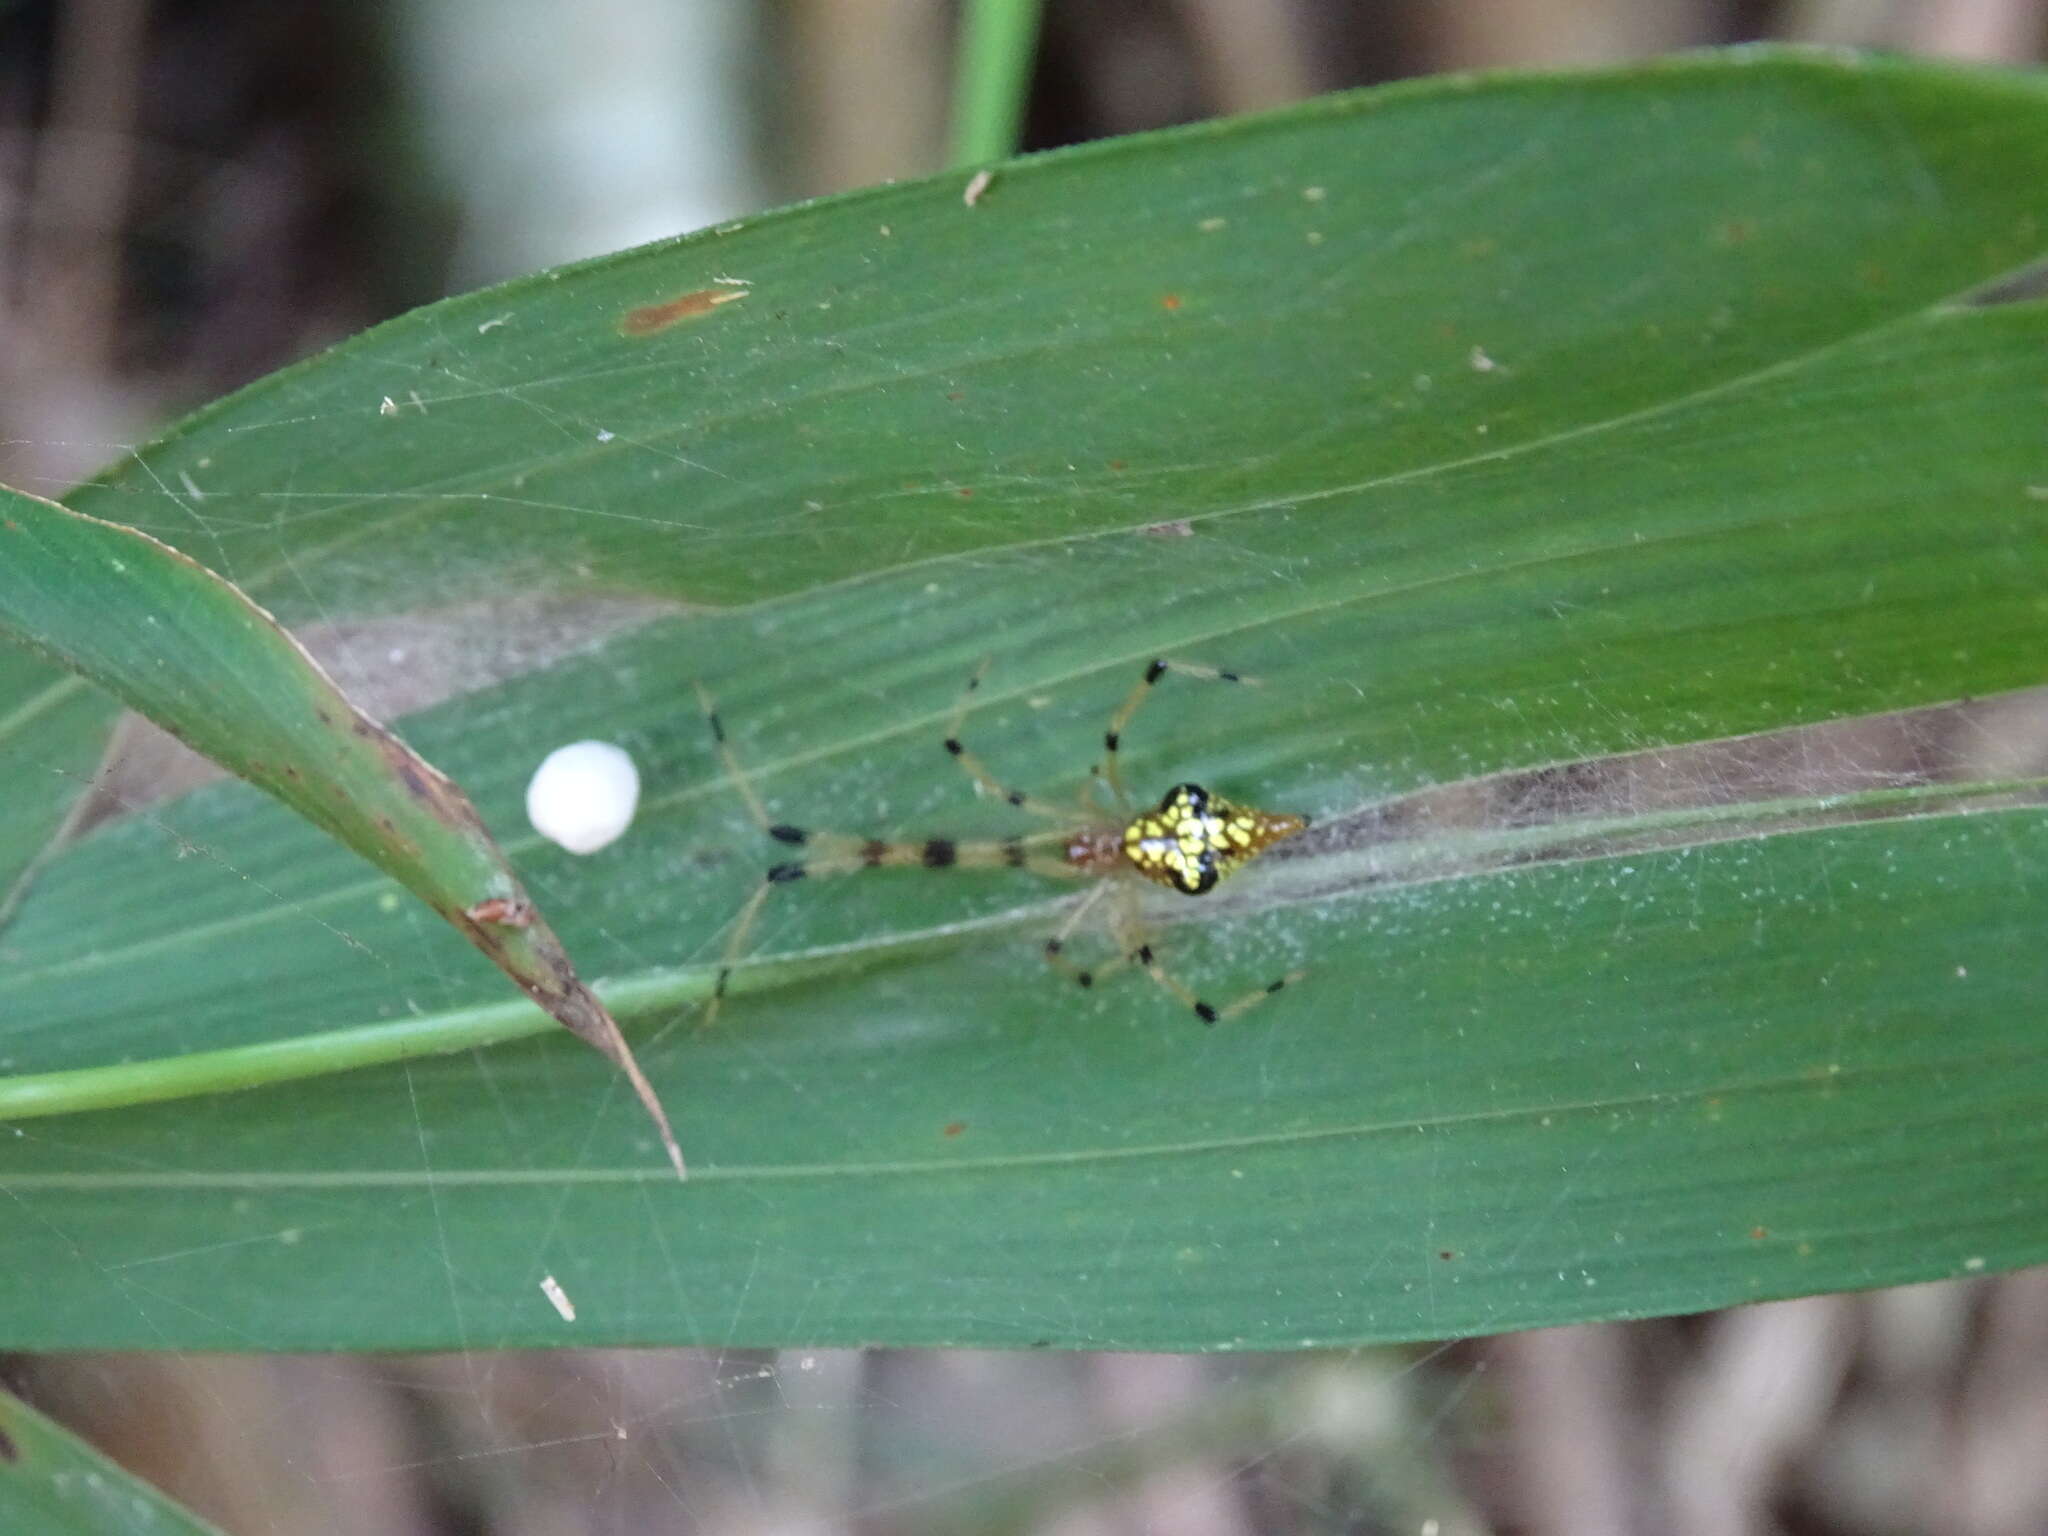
x,y
53,730
174,641
53,1483
1498,426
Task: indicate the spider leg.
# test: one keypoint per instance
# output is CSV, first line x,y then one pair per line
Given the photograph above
x,y
1080,975
978,771
735,945
1140,953
733,771
1112,738
836,853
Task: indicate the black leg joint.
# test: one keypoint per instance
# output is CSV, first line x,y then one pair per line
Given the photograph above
x,y
953,745
782,874
1205,1013
1156,671
783,832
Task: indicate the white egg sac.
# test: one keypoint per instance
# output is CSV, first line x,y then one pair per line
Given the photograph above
x,y
583,795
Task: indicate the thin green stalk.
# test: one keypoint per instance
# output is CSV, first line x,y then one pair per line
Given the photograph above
x,y
34,1095
998,39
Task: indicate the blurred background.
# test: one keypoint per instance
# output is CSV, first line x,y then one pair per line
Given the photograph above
x,y
196,192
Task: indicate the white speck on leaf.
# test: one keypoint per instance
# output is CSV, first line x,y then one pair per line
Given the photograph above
x,y
558,1298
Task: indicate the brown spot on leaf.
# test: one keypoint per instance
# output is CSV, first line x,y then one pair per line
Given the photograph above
x,y
1758,1234
442,800
507,911
1170,301
649,319
954,1128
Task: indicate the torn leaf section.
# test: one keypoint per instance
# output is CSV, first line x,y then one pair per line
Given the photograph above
x,y
190,651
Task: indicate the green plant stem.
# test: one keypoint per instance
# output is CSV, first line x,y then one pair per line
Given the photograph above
x,y
997,42
35,1095
272,1061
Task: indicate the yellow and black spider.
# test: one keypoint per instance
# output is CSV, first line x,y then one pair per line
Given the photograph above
x,y
1189,842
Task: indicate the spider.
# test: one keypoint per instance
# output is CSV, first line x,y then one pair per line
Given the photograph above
x,y
1190,842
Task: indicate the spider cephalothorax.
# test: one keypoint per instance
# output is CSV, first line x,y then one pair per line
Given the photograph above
x,y
1195,838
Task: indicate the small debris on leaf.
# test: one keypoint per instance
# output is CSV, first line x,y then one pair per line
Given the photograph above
x,y
558,1298
507,912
